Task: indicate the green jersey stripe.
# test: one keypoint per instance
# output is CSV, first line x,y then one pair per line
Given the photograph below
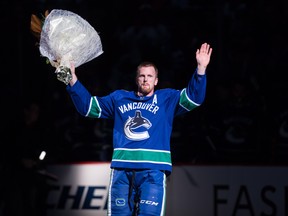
x,y
95,110
186,102
142,155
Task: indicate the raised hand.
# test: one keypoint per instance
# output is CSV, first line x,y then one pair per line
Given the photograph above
x,y
203,57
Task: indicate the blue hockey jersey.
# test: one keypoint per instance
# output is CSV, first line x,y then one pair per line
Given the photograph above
x,y
142,125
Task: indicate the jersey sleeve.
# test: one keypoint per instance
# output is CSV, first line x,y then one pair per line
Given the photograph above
x,y
88,105
194,94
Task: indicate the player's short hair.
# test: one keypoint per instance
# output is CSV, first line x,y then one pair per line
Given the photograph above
x,y
147,64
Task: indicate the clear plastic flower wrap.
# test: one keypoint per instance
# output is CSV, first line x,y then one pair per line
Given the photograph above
x,y
67,37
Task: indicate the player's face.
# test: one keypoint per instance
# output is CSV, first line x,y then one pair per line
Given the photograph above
x,y
146,80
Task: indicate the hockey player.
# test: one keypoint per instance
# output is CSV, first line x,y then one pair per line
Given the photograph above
x,y
143,122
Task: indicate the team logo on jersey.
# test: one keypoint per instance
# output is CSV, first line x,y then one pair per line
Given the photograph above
x,y
120,202
134,123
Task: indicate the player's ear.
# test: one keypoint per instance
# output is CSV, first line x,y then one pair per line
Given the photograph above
x,y
156,81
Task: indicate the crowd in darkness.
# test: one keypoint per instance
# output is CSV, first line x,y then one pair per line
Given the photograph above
x,y
243,119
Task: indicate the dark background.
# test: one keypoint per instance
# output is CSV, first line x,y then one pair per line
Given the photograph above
x,y
243,118
242,121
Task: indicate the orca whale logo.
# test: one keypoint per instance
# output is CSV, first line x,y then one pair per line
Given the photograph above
x,y
120,202
135,122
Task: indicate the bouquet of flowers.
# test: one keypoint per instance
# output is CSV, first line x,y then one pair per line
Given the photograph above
x,y
65,37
